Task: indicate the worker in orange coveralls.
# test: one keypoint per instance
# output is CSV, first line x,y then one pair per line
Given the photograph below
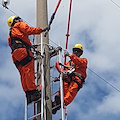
x,y
22,56
72,82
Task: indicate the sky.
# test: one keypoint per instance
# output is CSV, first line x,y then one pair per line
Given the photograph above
x,y
96,25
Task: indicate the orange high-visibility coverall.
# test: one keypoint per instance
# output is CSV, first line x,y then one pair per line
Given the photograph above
x,y
71,89
22,30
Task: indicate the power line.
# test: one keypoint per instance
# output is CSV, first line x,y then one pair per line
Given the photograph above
x,y
104,80
115,3
58,45
24,20
96,74
14,13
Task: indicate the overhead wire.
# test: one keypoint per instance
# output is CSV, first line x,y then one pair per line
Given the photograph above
x,y
104,80
62,47
53,42
115,3
17,15
66,48
29,23
97,75
14,13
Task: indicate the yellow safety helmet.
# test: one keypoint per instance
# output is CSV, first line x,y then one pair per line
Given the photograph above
x,y
79,46
10,20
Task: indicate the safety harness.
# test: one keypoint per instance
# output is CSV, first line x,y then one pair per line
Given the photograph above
x,y
18,43
72,74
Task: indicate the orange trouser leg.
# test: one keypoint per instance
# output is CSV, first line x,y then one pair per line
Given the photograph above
x,y
65,87
70,93
29,76
22,77
26,71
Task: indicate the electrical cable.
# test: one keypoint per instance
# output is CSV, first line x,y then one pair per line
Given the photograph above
x,y
14,13
97,75
104,80
115,3
17,15
29,23
62,47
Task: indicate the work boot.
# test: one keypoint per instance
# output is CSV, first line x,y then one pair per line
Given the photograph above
x,y
35,95
56,105
28,96
58,101
54,108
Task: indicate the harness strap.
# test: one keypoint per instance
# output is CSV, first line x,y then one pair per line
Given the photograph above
x,y
79,84
17,63
67,81
18,43
16,46
71,64
78,75
24,61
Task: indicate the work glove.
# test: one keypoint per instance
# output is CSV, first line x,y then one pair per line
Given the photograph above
x,y
46,29
66,53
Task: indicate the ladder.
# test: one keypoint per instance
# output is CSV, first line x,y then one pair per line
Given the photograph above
x,y
42,101
61,89
63,108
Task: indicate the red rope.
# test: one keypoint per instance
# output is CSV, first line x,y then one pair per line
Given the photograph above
x,y
52,17
67,35
57,6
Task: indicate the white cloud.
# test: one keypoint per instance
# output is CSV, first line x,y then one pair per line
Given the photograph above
x,y
96,25
110,104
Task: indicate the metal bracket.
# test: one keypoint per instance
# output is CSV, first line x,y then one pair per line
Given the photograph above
x,y
54,51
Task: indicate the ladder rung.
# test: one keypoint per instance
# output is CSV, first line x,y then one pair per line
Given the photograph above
x,y
54,93
46,98
55,80
35,101
34,116
56,107
40,113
